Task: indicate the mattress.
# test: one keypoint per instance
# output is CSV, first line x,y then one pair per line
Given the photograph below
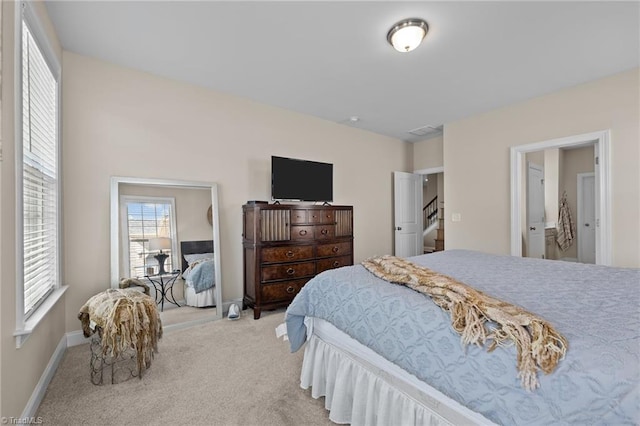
x,y
594,307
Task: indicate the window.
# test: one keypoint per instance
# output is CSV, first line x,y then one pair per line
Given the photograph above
x,y
38,172
144,218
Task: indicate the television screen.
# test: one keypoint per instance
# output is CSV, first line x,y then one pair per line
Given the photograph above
x,y
301,180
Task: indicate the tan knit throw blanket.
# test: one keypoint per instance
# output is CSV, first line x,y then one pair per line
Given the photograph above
x,y
538,344
125,319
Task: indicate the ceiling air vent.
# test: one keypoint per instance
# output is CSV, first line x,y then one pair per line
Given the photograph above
x,y
426,131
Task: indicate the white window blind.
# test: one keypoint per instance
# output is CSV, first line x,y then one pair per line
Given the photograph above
x,y
39,174
147,219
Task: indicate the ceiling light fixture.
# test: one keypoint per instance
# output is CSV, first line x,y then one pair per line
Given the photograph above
x,y
407,34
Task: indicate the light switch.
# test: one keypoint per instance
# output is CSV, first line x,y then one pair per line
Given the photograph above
x,y
456,217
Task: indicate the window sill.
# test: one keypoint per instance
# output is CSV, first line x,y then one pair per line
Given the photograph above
x,y
30,324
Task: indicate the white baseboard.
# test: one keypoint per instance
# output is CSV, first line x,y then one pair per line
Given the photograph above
x,y
75,338
31,408
568,259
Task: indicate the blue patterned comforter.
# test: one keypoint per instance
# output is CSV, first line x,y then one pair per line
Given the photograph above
x,y
597,308
202,275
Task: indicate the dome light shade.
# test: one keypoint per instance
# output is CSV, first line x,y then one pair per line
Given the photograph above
x,y
407,34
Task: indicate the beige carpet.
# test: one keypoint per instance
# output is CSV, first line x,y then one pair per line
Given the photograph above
x,y
183,314
219,373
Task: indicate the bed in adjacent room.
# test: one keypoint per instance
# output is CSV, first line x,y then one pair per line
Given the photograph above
x,y
382,353
198,272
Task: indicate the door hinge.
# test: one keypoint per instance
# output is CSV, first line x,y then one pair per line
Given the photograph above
x,y
597,160
542,181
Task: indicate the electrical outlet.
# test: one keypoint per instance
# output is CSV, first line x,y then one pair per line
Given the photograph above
x,y
456,217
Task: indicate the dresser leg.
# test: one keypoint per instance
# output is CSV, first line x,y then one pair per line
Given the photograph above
x,y
256,313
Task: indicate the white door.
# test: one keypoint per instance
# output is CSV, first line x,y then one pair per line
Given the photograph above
x,y
407,214
586,218
535,211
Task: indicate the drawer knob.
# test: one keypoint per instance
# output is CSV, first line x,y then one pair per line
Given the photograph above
x,y
336,264
291,289
335,249
291,271
303,232
324,231
290,254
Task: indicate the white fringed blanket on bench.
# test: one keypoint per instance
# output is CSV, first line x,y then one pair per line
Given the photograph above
x,y
124,318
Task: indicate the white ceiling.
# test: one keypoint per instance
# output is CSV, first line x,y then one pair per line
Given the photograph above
x,y
332,60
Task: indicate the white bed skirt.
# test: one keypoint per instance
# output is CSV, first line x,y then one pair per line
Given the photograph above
x,y
362,388
199,300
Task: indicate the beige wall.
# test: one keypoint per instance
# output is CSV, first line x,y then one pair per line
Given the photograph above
x,y
476,153
20,369
120,122
428,154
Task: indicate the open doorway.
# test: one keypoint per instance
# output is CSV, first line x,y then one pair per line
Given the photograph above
x,y
552,205
596,147
413,193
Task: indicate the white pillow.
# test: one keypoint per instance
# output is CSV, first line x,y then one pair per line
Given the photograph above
x,y
190,258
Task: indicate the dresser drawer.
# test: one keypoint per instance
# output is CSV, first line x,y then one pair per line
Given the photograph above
x,y
335,249
298,216
273,292
321,216
302,233
288,271
286,254
325,232
333,262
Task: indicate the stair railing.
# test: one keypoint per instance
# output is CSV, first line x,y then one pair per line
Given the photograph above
x,y
430,213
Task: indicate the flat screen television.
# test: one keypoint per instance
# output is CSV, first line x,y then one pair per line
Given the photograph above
x,y
301,180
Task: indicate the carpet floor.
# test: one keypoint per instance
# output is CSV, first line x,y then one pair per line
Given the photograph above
x,y
219,373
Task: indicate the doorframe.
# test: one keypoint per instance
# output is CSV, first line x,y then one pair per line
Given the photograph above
x,y
603,188
580,213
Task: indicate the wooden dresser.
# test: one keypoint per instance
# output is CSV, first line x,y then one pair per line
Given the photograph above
x,y
285,245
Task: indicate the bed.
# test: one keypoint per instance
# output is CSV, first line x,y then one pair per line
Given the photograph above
x,y
198,272
382,353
